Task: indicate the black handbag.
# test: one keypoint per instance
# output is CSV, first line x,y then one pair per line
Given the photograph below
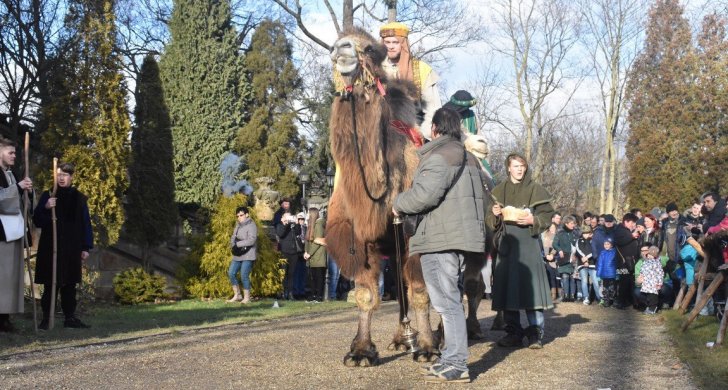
x,y
239,250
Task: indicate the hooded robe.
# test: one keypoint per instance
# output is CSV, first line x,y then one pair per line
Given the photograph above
x,y
519,277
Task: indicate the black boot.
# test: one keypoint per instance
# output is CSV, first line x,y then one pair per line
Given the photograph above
x,y
513,338
535,337
5,324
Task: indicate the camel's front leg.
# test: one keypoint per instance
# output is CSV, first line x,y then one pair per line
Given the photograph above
x,y
363,351
474,287
427,343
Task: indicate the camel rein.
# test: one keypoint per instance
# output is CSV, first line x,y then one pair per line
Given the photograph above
x,y
358,156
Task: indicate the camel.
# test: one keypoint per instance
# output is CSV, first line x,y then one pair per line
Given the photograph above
x,y
372,144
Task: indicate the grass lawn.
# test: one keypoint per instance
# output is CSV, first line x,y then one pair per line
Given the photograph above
x,y
708,365
112,322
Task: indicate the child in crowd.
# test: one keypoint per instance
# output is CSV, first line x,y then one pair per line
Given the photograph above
x,y
607,272
651,278
587,266
564,244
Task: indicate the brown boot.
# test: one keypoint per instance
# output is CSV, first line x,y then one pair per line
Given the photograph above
x,y
236,297
246,296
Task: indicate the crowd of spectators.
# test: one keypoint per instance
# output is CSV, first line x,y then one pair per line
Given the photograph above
x,y
639,261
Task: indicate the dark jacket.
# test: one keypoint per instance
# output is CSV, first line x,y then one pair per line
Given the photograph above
x,y
453,212
601,233
652,238
628,249
73,225
584,252
288,233
563,242
713,217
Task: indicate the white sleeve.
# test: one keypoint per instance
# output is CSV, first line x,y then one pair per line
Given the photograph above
x,y
430,103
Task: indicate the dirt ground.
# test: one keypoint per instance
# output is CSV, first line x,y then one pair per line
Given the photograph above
x,y
586,348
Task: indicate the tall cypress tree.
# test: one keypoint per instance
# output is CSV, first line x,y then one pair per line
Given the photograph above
x,y
204,83
713,93
662,106
151,188
269,142
86,119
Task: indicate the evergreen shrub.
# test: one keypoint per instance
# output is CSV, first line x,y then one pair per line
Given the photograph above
x,y
213,256
136,286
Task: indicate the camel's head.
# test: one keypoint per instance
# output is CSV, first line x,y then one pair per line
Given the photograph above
x,y
357,58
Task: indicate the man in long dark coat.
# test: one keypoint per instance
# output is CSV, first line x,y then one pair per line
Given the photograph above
x,y
75,240
519,278
12,228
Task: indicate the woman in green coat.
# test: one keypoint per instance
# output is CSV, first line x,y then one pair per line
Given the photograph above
x,y
519,278
316,253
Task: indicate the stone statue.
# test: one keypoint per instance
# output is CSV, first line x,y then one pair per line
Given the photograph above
x,y
266,199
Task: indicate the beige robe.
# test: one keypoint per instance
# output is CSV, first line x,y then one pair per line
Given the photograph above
x,y
12,283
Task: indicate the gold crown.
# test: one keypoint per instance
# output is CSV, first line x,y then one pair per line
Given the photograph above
x,y
394,29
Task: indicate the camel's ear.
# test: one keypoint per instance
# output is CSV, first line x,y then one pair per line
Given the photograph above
x,y
376,51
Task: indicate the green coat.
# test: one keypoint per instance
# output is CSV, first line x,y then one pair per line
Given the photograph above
x,y
317,252
563,242
519,276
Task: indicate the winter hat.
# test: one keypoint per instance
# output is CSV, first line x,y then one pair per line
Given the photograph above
x,y
609,240
671,207
460,101
301,216
609,218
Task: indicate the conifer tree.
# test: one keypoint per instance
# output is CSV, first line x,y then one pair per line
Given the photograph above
x,y
86,118
269,142
662,108
713,93
151,211
204,83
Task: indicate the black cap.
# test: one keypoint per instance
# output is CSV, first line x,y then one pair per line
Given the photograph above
x,y
609,218
460,101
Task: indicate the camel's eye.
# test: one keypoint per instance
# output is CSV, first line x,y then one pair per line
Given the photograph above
x,y
368,49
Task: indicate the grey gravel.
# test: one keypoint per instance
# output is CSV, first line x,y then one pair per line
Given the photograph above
x,y
585,348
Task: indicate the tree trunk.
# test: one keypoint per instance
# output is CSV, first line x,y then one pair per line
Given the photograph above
x,y
348,15
392,11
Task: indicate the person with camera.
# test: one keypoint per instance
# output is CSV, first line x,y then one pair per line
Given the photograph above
x,y
242,244
289,232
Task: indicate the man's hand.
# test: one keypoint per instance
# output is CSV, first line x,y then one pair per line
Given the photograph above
x,y
51,203
306,256
26,184
84,255
497,210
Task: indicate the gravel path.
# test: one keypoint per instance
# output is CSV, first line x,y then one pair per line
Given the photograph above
x,y
586,348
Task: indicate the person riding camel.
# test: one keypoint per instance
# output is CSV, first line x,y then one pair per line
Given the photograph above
x,y
400,64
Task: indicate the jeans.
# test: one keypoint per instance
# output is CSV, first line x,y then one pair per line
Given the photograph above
x,y
568,286
592,273
244,267
441,272
333,277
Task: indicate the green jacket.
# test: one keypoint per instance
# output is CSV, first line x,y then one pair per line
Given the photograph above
x,y
453,217
317,252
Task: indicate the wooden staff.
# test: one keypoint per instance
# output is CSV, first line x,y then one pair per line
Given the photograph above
x,y
51,314
26,243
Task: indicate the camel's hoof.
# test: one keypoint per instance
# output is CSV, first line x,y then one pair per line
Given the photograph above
x,y
397,346
426,355
361,359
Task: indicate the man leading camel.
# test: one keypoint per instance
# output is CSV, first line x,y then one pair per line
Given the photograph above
x,y
400,65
